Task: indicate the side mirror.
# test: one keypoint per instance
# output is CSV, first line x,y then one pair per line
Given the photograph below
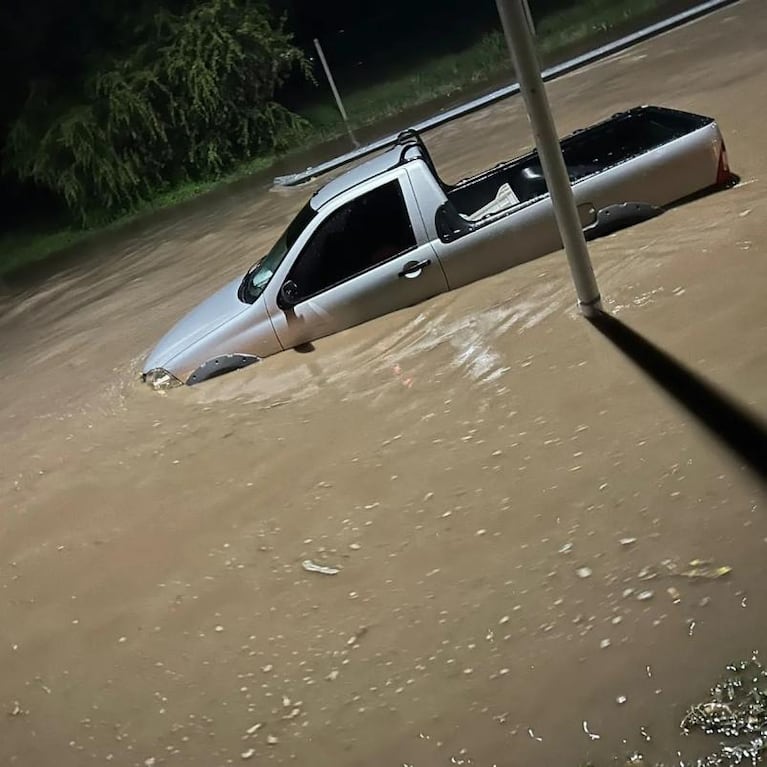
x,y
288,296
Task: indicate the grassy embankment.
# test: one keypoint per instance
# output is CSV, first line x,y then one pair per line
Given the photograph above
x,y
436,79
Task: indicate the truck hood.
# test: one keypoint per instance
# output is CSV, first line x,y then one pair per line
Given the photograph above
x,y
222,307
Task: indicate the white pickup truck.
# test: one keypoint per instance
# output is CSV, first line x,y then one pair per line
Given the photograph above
x,y
389,233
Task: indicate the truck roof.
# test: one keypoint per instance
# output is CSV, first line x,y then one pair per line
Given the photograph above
x,y
408,147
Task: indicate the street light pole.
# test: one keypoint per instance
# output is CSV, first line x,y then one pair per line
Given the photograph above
x,y
517,27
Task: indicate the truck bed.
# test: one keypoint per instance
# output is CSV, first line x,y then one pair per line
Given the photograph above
x,y
586,152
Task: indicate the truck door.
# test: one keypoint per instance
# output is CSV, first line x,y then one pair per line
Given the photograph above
x,y
368,257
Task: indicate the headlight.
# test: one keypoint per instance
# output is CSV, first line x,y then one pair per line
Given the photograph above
x,y
160,380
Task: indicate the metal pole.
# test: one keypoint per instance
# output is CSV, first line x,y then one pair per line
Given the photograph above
x,y
516,21
333,88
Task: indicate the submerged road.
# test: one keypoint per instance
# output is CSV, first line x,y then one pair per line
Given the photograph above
x,y
512,504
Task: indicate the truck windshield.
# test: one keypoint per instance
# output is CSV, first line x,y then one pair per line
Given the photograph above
x,y
258,276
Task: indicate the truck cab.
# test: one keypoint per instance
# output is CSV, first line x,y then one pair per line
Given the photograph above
x,y
366,251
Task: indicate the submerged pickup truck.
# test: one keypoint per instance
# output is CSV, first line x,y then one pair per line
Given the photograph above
x,y
390,233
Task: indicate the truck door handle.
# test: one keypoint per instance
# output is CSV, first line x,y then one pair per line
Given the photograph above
x,y
413,268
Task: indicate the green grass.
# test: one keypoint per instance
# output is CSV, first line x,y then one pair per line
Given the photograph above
x,y
588,19
442,77
483,61
20,248
438,78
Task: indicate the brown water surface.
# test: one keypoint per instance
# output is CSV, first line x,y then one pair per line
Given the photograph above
x,y
496,482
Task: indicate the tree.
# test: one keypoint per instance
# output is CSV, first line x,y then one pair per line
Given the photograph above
x,y
189,98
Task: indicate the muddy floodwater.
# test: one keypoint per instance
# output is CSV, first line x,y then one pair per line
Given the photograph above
x,y
512,506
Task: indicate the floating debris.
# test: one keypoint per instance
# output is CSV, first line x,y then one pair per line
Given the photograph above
x,y
643,596
627,541
735,712
533,735
736,709
355,638
249,754
696,568
621,699
647,573
700,568
584,572
604,644
591,735
673,592
313,567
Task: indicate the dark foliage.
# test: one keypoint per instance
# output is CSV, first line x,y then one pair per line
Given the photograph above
x,y
189,95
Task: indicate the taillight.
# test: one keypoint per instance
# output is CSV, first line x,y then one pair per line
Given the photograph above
x,y
723,174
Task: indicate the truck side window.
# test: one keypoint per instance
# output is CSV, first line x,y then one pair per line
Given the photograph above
x,y
358,236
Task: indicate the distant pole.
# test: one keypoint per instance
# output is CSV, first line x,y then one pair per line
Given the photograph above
x,y
517,27
333,88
